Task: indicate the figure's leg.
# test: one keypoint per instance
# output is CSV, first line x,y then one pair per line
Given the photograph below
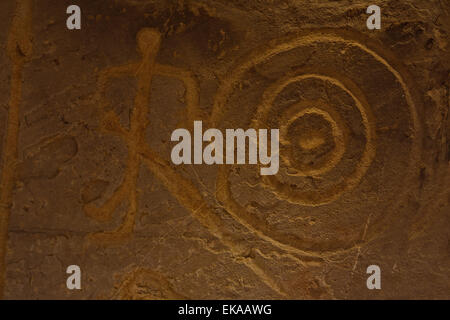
x,y
127,192
104,212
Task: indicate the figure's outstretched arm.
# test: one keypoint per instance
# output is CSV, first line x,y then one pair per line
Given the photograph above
x,y
191,84
110,121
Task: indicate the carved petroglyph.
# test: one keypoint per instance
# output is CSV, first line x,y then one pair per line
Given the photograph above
x,y
317,196
313,198
19,50
314,140
148,46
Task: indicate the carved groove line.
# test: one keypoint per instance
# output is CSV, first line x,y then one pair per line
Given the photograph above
x,y
19,50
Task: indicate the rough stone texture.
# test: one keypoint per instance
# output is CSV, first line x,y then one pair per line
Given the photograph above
x,y
364,176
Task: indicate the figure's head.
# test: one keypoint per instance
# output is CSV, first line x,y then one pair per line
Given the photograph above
x,y
147,39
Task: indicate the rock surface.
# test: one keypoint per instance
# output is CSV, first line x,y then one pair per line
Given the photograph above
x,y
364,156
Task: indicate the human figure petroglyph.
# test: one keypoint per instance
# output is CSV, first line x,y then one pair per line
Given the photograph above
x,y
149,41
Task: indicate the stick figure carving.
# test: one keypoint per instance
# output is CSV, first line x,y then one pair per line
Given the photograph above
x,y
149,41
